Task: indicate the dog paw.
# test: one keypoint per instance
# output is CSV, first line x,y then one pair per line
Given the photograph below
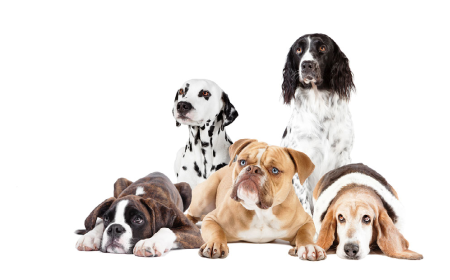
x,y
158,244
214,250
89,242
309,252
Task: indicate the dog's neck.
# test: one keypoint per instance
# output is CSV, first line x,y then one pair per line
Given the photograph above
x,y
208,136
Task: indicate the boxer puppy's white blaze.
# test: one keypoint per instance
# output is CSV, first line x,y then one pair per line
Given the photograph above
x,y
140,191
124,239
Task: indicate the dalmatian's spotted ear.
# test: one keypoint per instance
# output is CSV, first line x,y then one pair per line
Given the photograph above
x,y
229,112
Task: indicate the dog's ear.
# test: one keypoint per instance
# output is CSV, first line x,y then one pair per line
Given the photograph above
x,y
341,75
327,232
98,212
290,78
161,215
303,164
390,240
120,185
229,112
237,147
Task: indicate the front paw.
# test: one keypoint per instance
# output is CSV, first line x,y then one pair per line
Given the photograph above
x,y
155,246
89,242
214,250
309,252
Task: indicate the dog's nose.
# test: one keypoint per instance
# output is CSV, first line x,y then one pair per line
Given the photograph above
x,y
116,230
308,65
351,250
183,107
253,169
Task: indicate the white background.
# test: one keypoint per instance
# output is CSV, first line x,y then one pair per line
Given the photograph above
x,y
87,89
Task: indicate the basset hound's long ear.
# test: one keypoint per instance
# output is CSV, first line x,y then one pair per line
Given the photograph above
x,y
237,147
328,230
229,112
120,185
161,215
303,164
98,212
390,240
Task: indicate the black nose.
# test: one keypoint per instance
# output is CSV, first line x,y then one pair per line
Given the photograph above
x,y
183,107
116,230
253,169
351,250
308,65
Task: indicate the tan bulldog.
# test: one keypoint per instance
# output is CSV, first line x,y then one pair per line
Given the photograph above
x,y
253,199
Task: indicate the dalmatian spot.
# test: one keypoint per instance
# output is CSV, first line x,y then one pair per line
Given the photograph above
x,y
184,168
197,169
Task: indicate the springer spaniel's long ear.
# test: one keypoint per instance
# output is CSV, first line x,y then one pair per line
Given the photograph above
x,y
290,78
237,147
341,75
98,212
390,240
303,164
229,112
327,231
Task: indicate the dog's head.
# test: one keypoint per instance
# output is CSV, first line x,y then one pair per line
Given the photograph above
x,y
262,174
129,219
198,102
358,220
316,59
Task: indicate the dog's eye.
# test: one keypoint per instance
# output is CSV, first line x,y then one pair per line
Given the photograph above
x,y
138,220
180,91
275,171
105,219
366,219
299,50
206,93
322,48
341,218
243,162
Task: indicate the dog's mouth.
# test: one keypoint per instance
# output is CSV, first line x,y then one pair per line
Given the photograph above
x,y
247,191
115,247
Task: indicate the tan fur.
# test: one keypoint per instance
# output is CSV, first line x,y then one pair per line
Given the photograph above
x,y
226,219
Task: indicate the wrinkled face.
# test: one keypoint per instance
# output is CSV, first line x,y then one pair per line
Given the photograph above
x,y
262,176
314,55
126,222
354,229
197,101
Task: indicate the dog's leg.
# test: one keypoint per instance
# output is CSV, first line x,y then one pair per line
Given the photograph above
x,y
184,235
204,196
215,240
304,246
92,239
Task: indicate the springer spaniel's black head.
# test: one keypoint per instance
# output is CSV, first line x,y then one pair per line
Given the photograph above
x,y
316,58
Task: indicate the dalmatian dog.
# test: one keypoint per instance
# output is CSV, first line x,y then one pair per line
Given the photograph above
x,y
206,109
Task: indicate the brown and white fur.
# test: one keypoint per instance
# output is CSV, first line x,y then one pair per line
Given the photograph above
x,y
357,210
145,218
253,200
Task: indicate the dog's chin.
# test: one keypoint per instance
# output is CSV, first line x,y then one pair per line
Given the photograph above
x,y
188,121
115,248
310,80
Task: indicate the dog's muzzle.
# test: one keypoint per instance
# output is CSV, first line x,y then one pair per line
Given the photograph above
x,y
184,107
310,72
248,187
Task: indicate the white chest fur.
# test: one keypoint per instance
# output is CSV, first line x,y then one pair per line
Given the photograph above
x,y
264,227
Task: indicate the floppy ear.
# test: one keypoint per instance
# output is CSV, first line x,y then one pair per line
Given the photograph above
x,y
303,164
160,215
290,78
341,75
390,240
229,112
98,212
327,231
237,147
120,185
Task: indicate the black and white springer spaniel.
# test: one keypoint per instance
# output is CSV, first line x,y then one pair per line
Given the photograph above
x,y
318,78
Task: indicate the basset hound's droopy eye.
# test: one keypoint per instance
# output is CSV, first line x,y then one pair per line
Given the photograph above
x,y
323,48
180,91
341,218
366,219
299,50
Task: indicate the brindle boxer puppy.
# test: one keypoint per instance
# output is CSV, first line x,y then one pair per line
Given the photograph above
x,y
146,215
253,200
